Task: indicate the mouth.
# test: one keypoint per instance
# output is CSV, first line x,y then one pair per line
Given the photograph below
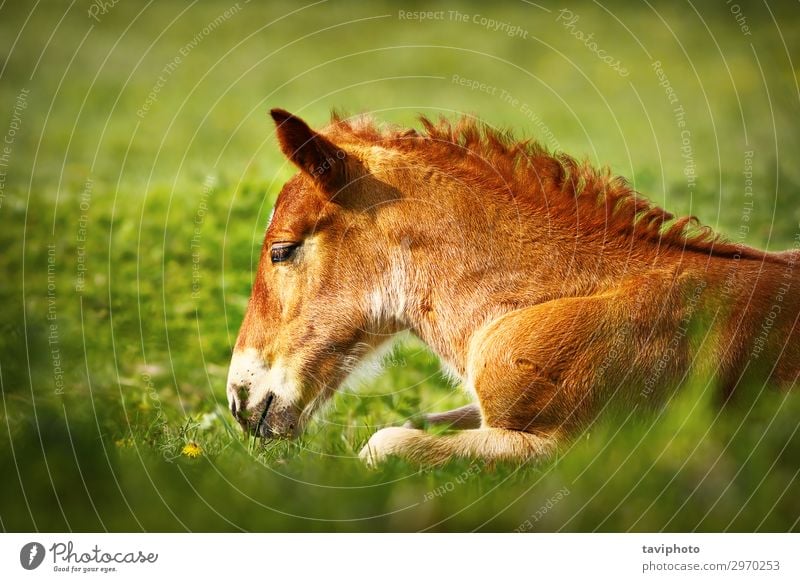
x,y
267,433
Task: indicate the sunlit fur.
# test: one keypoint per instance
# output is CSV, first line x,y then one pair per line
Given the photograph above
x,y
549,287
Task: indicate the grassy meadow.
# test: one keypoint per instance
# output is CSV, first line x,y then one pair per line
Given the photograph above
x,y
139,167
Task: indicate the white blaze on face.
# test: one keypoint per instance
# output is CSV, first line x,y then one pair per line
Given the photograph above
x,y
248,371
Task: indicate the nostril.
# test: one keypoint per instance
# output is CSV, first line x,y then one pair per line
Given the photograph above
x,y
238,393
241,396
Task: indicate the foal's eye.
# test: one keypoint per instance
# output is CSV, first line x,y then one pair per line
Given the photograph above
x,y
281,252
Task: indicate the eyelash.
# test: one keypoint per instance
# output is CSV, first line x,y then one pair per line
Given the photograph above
x,y
282,252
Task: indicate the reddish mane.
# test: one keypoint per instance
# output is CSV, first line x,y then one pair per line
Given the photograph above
x,y
557,183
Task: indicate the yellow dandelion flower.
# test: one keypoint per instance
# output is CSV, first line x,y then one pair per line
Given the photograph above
x,y
191,450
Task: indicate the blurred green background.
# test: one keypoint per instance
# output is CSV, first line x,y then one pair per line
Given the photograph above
x,y
138,152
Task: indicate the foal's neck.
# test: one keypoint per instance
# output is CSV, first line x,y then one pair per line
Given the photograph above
x,y
456,301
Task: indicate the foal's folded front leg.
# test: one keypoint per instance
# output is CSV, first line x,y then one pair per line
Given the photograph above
x,y
414,444
489,444
533,382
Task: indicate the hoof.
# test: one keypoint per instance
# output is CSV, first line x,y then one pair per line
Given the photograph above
x,y
385,443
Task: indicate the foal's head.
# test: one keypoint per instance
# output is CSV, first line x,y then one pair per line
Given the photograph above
x,y
315,309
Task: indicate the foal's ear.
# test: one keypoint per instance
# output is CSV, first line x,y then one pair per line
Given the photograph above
x,y
320,159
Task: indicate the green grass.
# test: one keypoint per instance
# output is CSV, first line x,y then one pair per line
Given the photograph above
x,y
144,354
